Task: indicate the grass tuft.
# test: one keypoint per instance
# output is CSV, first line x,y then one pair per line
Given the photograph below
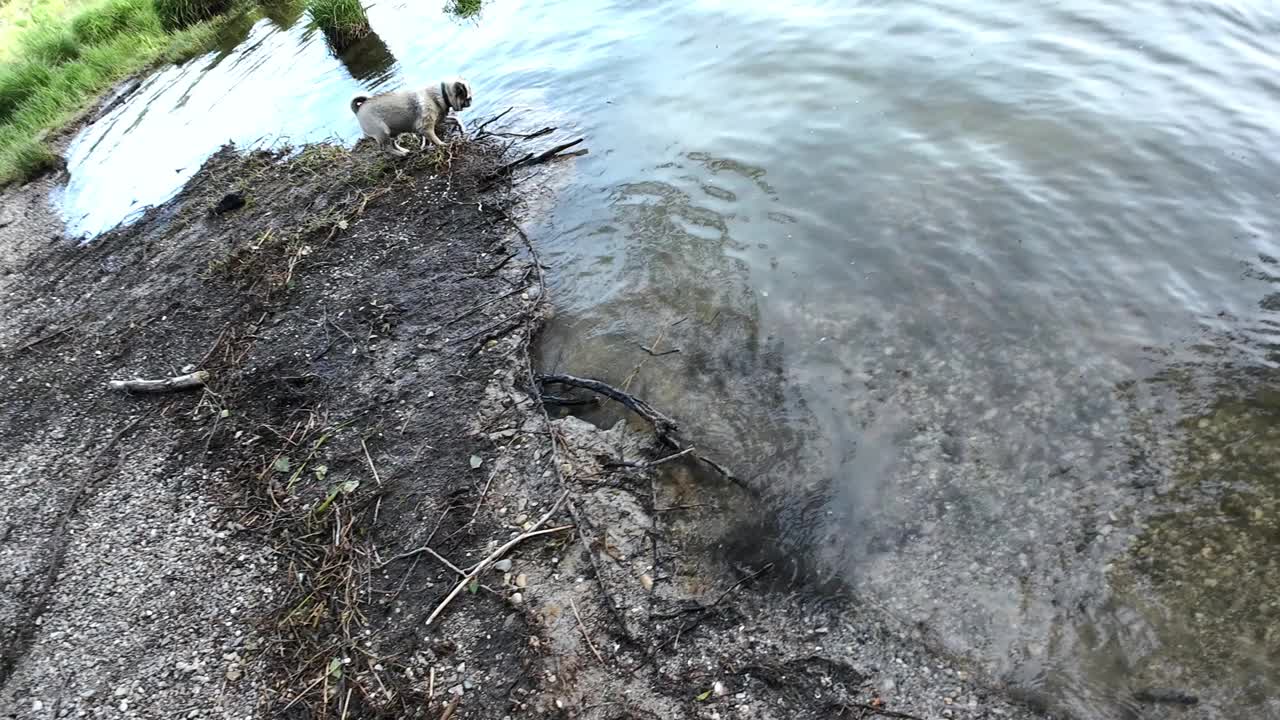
x,y
464,8
26,156
51,43
18,83
112,19
179,14
343,22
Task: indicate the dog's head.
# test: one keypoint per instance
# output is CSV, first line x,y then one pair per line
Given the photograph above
x,y
458,93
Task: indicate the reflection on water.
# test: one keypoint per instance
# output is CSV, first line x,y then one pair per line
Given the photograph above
x,y
284,14
969,291
370,61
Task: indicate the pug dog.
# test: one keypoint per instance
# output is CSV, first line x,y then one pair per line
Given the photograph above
x,y
384,117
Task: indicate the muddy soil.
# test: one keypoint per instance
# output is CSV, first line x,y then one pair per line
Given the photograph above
x,y
297,539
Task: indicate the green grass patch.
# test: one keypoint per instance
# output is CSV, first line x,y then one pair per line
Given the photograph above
x,y
59,65
464,8
179,14
120,17
343,22
50,43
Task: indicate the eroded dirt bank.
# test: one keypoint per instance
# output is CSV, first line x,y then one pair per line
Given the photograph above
x,y
282,542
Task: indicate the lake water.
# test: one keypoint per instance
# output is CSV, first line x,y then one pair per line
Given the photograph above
x,y
982,295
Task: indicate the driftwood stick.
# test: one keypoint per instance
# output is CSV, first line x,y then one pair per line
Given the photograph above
x,y
180,382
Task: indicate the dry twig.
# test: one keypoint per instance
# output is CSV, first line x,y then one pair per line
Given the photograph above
x,y
479,567
583,627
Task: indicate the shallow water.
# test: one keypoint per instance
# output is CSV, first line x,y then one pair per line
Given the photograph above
x,y
980,293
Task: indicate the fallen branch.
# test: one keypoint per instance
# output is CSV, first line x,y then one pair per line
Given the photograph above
x,y
180,382
525,136
530,159
662,425
479,131
479,567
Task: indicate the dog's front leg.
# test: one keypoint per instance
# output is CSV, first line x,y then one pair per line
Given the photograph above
x,y
430,132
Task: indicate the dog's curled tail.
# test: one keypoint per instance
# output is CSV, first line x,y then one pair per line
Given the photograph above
x,y
357,101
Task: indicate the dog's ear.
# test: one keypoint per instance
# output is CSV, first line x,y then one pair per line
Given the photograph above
x,y
462,90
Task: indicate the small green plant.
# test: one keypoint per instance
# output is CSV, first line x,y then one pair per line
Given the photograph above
x,y
179,14
464,8
343,22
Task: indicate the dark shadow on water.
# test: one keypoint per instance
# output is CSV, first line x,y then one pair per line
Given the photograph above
x,y
231,35
369,60
284,14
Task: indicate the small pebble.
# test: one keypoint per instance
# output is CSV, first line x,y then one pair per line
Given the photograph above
x,y
517,598
503,565
647,582
522,580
